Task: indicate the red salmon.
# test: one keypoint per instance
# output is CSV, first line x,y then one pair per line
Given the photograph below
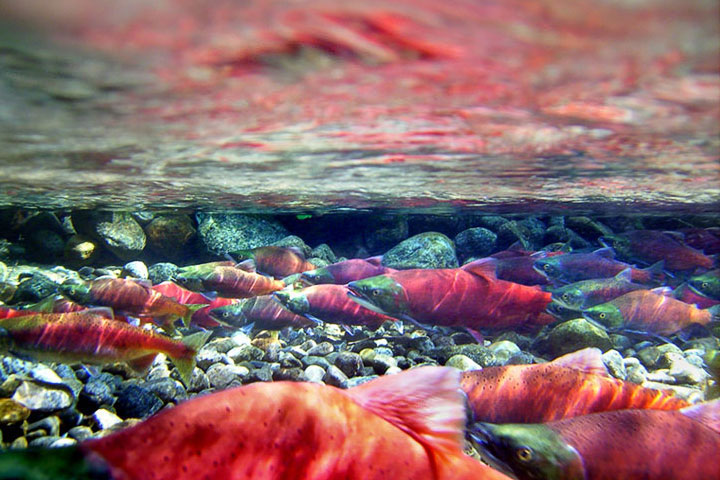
x,y
345,272
276,261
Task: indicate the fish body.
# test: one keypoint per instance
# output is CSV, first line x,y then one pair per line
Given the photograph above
x,y
276,261
201,317
405,426
707,284
588,293
342,273
92,338
706,240
129,296
648,311
228,281
572,385
520,269
470,296
652,246
689,295
621,444
330,303
262,311
7,312
573,267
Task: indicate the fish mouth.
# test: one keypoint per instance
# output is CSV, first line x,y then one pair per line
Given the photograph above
x,y
358,297
541,272
482,439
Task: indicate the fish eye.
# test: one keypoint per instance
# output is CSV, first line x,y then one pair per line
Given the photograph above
x,y
524,454
547,267
565,296
375,292
225,314
601,315
704,285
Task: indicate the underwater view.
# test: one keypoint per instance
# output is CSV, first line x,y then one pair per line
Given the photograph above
x,y
286,239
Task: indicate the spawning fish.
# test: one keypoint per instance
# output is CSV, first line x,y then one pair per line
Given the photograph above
x,y
573,267
90,337
404,426
133,297
261,312
278,262
687,294
588,293
227,281
652,246
520,269
622,444
470,296
342,273
330,303
706,240
650,312
201,317
575,384
707,284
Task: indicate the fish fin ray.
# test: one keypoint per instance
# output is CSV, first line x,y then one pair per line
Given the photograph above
x,y
664,291
185,365
588,360
484,268
424,402
105,312
625,275
247,265
707,413
606,252
313,319
192,308
142,364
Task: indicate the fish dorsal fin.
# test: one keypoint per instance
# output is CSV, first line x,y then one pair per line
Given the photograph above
x,y
424,402
147,284
664,291
376,260
588,360
539,254
105,312
605,252
297,251
625,275
484,267
247,265
707,413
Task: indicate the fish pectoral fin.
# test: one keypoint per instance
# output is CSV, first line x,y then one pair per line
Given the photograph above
x,y
247,265
142,364
313,319
408,318
432,406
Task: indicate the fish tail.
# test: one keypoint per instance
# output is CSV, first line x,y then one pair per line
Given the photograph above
x,y
186,363
714,314
191,309
65,463
656,272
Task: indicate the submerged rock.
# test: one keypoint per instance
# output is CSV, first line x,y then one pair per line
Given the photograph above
x,y
170,235
42,397
475,242
135,401
571,336
425,250
119,232
12,412
223,233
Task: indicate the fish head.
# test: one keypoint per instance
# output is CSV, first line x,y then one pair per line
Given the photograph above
x,y
619,243
561,311
529,451
76,291
317,276
571,297
380,294
548,267
232,314
240,255
606,315
707,284
294,300
190,278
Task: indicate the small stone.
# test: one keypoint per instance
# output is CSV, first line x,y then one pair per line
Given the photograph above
x,y
614,363
63,442
51,425
12,412
245,353
167,390
162,272
135,401
475,242
651,356
105,419
695,359
636,373
660,376
325,252
314,373
313,360
208,357
684,372
287,360
355,381
221,376
19,443
521,358
349,363
80,250
96,393
289,375
272,352
335,377
170,235
229,232
81,432
393,370
222,345
692,395
308,344
321,349
425,250
262,374
462,362
43,442
422,344
198,381
136,269
240,338
158,372
620,342
381,362
42,397
503,351
35,288
480,354
571,336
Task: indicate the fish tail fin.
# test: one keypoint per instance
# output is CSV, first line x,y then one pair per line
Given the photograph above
x,y
656,271
65,463
191,309
186,363
714,313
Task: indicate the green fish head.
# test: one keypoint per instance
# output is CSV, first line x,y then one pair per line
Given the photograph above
x,y
548,267
191,278
380,294
78,292
569,296
295,301
528,451
620,244
240,255
606,315
562,312
230,314
707,284
317,276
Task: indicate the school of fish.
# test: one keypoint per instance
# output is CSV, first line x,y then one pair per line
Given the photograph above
x,y
528,421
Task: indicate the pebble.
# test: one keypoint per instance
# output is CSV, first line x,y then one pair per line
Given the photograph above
x,y
503,351
692,395
349,363
81,432
105,419
12,412
650,356
167,390
314,373
614,363
245,353
381,362
198,381
206,357
321,349
221,376
135,401
636,372
51,425
684,372
463,363
393,370
313,360
41,397
355,381
63,442
136,269
43,442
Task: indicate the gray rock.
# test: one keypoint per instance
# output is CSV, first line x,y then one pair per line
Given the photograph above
x,y
425,250
692,395
162,272
43,442
105,419
651,356
262,374
287,360
503,351
158,372
81,432
245,353
63,442
43,397
684,372
694,359
571,336
355,381
51,425
272,353
221,376
119,232
324,252
135,401
222,345
46,374
422,344
293,241
475,242
479,354
335,377
96,393
136,269
385,231
393,370
349,363
223,233
321,349
35,288
198,381
167,390
19,443
313,360
587,228
382,362
614,363
314,373
170,236
620,342
208,357
294,374
81,250
660,376
636,372
462,362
